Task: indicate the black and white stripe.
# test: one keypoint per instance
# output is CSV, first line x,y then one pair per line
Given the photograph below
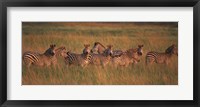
x,y
33,58
79,59
156,57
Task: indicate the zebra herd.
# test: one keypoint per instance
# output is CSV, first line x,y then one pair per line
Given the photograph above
x,y
99,55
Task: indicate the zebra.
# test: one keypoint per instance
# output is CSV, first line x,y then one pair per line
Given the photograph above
x,y
103,58
128,57
34,58
61,51
162,58
100,48
79,59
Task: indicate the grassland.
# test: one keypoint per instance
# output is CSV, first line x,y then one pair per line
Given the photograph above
x,y
154,36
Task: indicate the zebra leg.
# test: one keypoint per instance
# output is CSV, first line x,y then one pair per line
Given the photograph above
x,y
68,63
55,64
115,65
28,65
82,65
150,60
103,65
167,62
126,65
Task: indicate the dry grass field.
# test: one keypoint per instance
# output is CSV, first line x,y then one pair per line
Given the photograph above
x,y
37,37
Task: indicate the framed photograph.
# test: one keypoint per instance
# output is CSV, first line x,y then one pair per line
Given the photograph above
x,y
93,53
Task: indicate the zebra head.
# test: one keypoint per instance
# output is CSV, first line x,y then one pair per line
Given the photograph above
x,y
133,54
108,51
98,47
139,50
86,50
172,50
50,51
61,51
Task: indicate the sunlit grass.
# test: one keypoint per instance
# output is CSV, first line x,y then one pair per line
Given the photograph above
x,y
122,36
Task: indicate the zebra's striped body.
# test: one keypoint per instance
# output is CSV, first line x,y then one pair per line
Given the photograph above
x,y
160,58
104,58
128,57
45,59
79,59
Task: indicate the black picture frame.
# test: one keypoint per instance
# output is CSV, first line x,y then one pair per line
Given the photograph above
x,y
99,3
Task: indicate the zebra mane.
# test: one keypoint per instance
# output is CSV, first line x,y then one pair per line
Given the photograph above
x,y
47,52
96,43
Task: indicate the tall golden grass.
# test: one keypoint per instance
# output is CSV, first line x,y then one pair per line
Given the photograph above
x,y
154,36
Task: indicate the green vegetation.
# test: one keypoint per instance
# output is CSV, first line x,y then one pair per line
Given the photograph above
x,y
154,36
